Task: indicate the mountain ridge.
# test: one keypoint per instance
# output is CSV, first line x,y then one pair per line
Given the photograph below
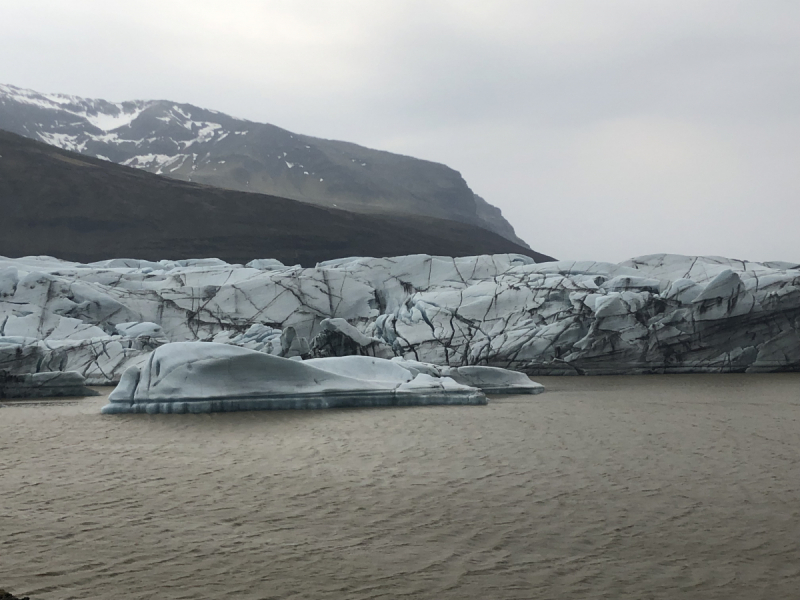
x,y
190,143
76,207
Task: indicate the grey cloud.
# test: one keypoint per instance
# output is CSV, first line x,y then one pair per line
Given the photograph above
x,y
602,130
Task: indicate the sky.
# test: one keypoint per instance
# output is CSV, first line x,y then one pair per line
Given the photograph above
x,y
602,129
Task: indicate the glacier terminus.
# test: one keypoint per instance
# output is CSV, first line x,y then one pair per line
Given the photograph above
x,y
652,314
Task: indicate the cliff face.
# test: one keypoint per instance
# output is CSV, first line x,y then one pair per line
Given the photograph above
x,y
188,143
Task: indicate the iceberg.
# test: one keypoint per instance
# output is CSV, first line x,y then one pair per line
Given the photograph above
x,y
493,380
203,377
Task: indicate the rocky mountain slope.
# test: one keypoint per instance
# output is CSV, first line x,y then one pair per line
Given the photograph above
x,y
75,207
185,142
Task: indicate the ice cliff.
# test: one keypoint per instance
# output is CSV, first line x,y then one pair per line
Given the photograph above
x,y
652,314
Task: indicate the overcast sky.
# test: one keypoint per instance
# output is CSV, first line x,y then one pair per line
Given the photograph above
x,y
603,129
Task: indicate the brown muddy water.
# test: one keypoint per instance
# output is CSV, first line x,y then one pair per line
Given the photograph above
x,y
604,487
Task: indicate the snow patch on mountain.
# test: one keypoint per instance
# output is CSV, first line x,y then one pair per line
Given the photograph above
x,y
157,161
102,115
109,122
63,140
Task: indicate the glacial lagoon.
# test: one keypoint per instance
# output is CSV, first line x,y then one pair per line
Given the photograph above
x,y
659,486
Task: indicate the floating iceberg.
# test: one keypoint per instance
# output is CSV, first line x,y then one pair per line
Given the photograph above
x,y
493,380
490,380
202,377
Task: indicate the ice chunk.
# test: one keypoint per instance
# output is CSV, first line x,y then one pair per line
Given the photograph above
x,y
493,380
197,377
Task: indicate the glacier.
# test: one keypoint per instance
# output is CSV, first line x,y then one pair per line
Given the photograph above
x,y
654,314
43,385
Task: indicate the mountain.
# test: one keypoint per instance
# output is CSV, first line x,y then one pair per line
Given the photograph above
x,y
188,143
86,209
